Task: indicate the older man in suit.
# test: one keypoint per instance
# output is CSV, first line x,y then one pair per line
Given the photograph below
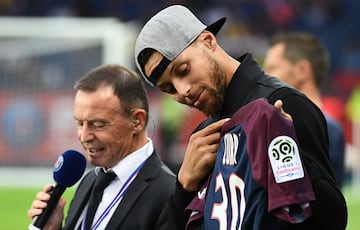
x,y
111,111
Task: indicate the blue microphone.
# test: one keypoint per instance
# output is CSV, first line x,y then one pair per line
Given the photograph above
x,y
69,168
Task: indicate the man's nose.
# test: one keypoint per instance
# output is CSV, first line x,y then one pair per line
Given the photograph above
x,y
85,134
182,87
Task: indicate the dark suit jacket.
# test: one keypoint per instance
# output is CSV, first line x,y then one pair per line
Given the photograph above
x,y
142,204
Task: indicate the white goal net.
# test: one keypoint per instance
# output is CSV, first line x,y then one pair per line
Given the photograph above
x,y
40,59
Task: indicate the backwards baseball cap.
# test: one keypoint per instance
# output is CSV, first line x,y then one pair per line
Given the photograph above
x,y
169,32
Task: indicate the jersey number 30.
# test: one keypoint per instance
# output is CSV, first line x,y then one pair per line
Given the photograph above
x,y
221,210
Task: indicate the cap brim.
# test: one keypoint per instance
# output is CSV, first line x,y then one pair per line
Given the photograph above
x,y
216,26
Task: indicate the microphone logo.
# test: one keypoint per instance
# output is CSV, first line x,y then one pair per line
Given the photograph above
x,y
59,163
68,169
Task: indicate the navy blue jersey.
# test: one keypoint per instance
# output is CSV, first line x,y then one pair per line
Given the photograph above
x,y
258,178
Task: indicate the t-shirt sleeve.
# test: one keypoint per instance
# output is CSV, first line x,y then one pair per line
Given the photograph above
x,y
281,173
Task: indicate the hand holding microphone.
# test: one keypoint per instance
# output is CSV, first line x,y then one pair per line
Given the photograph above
x,y
68,169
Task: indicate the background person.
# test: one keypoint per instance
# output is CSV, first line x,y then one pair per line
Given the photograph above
x,y
111,111
301,60
180,55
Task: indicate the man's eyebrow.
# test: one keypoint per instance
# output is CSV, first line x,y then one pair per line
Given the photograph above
x,y
93,120
170,69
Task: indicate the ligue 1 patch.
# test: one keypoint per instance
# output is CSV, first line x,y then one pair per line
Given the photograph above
x,y
285,159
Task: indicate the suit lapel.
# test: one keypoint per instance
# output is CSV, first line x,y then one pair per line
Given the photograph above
x,y
80,200
148,172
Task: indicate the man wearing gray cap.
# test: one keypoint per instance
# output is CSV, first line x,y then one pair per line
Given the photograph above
x,y
178,54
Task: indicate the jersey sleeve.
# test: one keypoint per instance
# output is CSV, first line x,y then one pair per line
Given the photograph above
x,y
281,173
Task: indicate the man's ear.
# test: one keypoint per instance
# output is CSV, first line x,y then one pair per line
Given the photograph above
x,y
208,39
304,70
138,117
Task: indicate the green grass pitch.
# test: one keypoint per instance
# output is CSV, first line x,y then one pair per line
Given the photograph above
x,y
16,201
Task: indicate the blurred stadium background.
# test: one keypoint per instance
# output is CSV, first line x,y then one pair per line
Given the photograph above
x,y
45,45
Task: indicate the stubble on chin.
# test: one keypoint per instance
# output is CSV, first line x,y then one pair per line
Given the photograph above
x,y
216,107
217,93
218,90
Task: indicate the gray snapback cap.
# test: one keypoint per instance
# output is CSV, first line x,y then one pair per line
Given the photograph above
x,y
169,32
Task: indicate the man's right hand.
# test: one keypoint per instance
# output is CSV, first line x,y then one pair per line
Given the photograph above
x,y
200,156
40,203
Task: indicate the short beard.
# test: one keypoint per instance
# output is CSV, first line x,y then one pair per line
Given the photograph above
x,y
217,77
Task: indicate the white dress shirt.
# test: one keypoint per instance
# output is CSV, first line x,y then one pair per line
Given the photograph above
x,y
123,169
